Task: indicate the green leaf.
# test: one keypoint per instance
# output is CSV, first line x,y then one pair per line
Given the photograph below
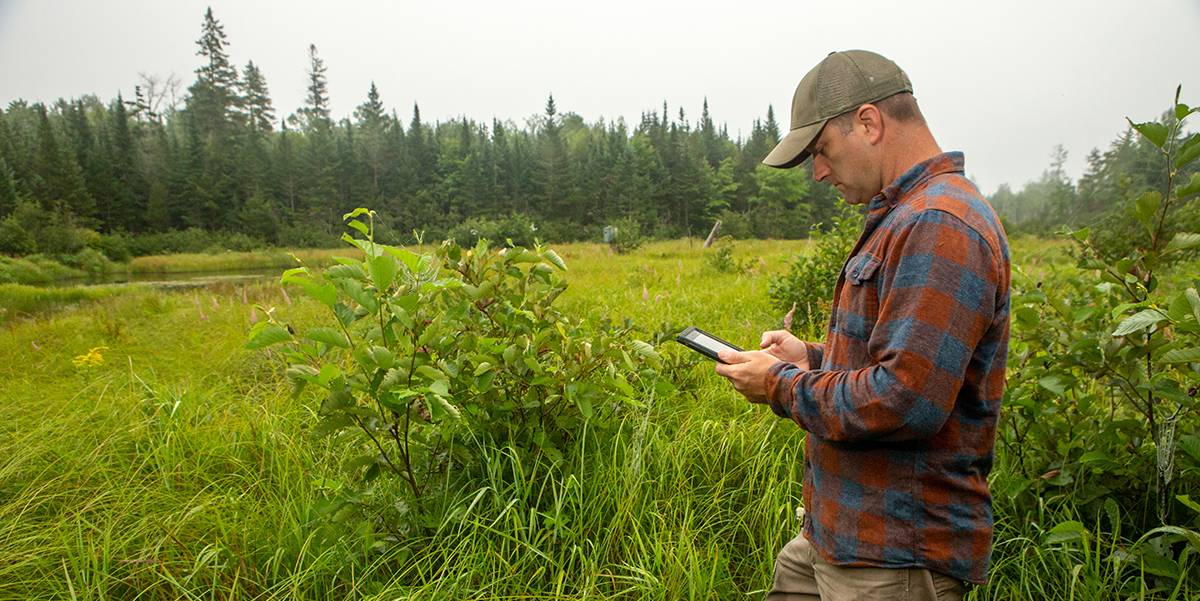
x,y
360,226
355,213
1189,189
1139,321
410,259
383,357
328,336
1082,234
1193,299
1183,241
1153,131
1188,151
1068,531
1188,502
555,259
440,408
482,368
644,349
1056,383
268,335
1181,355
1182,110
430,373
1145,207
383,271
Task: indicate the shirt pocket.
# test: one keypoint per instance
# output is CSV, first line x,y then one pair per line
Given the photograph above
x,y
861,268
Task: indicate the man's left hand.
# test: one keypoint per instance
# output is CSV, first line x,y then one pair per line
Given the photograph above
x,y
747,371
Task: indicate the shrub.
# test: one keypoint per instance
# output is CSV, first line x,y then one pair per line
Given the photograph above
x,y
628,236
720,257
115,246
514,230
809,282
427,359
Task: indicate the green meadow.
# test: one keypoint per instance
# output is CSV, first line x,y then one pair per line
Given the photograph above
x,y
145,454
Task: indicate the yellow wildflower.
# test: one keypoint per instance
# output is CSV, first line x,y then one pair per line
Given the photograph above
x,y
92,358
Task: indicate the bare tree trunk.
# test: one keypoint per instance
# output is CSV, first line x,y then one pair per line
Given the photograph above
x,y
712,236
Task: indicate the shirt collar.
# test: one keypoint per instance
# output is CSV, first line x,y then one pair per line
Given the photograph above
x,y
947,162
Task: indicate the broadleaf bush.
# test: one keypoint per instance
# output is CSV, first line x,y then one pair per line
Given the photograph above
x,y
432,361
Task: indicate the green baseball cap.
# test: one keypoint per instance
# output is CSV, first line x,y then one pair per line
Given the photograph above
x,y
841,82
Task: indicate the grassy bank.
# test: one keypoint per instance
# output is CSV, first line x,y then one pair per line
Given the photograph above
x,y
231,261
178,466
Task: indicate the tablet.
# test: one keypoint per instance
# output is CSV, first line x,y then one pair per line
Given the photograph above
x,y
704,343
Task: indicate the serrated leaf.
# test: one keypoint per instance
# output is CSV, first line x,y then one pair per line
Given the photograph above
x,y
410,259
328,336
430,373
439,407
644,349
1153,131
482,368
1139,321
1188,151
382,357
1189,189
1182,241
271,334
555,259
1194,300
383,271
338,272
1181,355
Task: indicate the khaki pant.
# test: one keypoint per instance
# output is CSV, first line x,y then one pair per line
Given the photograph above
x,y
801,574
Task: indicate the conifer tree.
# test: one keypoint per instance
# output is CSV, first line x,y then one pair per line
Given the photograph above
x,y
260,114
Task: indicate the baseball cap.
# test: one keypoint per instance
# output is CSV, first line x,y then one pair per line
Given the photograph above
x,y
841,82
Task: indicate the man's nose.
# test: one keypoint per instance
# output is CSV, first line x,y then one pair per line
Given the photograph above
x,y
820,169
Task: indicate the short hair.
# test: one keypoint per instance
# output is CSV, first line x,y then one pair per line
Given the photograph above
x,y
901,107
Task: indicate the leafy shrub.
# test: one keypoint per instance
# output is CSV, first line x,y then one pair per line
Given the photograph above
x,y
115,246
90,261
628,236
1103,376
809,282
720,257
514,230
429,357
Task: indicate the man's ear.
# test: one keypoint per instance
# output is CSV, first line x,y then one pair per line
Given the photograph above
x,y
870,119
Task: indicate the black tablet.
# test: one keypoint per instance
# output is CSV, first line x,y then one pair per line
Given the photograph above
x,y
704,343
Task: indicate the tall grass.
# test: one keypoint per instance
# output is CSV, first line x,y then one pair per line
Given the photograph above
x,y
181,468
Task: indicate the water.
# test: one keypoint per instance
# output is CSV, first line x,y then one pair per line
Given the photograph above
x,y
193,279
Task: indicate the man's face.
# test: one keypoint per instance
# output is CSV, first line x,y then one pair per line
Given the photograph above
x,y
846,161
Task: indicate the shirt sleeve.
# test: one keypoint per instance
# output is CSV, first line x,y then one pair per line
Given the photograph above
x,y
937,293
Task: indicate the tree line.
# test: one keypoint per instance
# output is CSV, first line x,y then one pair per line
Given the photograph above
x,y
223,161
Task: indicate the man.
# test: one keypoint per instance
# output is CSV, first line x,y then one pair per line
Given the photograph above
x,y
901,401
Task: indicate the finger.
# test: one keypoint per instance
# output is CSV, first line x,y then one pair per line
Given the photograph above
x,y
773,337
733,357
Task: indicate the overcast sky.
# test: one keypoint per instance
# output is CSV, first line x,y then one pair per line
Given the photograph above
x,y
1003,81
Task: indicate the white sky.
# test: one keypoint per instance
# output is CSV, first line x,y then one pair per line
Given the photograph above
x,y
1003,81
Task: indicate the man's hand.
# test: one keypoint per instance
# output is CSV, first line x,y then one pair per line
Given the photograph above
x,y
748,372
786,347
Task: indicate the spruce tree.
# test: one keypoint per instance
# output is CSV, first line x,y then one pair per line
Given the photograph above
x,y
260,113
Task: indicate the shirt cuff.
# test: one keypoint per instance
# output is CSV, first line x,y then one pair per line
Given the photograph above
x,y
779,388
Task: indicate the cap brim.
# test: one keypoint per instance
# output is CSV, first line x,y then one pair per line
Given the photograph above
x,y
792,149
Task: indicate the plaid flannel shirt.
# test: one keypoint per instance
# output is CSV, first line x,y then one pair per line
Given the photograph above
x,y
902,401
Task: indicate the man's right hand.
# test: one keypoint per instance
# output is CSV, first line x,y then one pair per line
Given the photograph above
x,y
786,347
